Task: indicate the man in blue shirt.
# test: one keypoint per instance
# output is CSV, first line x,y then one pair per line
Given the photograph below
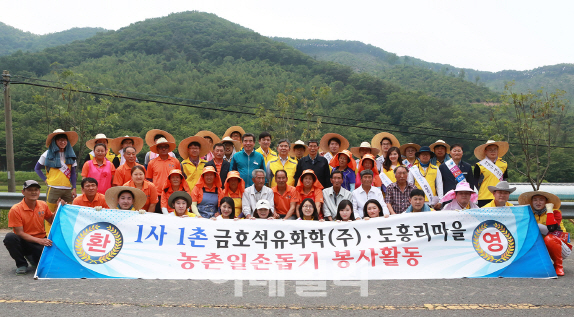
x,y
247,160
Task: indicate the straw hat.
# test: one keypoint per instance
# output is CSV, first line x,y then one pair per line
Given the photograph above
x,y
160,141
440,142
502,149
232,129
72,137
526,198
116,144
236,144
183,145
408,145
176,195
112,196
355,150
150,135
377,139
298,142
210,134
100,136
324,144
502,186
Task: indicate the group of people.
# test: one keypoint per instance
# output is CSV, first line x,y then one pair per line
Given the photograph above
x,y
227,178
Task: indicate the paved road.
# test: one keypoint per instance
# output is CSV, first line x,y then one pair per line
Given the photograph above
x,y
24,296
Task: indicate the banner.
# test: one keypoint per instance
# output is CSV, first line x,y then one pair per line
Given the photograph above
x,y
490,242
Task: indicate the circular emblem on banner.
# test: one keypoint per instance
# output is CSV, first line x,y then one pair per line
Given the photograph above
x,y
98,243
493,242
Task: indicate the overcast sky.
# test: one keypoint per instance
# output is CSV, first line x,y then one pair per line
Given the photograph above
x,y
484,35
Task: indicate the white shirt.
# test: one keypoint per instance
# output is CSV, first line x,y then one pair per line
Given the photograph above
x,y
331,201
360,197
249,199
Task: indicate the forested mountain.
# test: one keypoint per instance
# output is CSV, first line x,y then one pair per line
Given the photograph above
x,y
368,58
13,40
219,74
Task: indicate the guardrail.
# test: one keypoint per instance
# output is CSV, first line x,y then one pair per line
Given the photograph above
x,y
7,200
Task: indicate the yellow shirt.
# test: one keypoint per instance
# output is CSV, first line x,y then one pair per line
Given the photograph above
x,y
268,157
430,176
192,172
492,205
489,179
390,174
54,177
290,167
542,219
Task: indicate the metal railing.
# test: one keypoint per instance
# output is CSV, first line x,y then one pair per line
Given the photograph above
x,y
7,200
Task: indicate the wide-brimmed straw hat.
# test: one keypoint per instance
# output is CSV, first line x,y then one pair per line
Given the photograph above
x,y
377,139
116,144
232,129
162,141
440,142
71,135
526,198
502,149
324,144
176,195
236,144
150,135
301,143
502,186
112,196
408,145
210,134
366,145
100,136
183,145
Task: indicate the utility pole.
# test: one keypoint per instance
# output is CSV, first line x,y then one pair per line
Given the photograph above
x,y
9,138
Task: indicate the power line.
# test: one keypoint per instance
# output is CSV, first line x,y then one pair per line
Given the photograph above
x,y
256,108
249,113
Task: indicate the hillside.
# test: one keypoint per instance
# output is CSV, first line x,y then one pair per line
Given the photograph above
x,y
13,40
368,58
221,74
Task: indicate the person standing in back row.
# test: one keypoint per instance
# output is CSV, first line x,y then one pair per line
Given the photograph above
x,y
315,162
491,168
159,168
247,160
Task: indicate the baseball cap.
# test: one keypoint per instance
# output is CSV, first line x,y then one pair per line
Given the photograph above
x,y
29,183
263,203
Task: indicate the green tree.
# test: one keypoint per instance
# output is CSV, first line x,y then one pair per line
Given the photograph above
x,y
533,121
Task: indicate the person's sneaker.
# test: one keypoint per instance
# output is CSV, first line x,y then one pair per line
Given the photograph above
x,y
21,270
31,260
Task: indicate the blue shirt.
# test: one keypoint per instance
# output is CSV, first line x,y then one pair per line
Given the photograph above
x,y
348,179
245,164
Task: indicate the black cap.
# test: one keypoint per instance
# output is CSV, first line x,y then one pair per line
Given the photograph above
x,y
29,183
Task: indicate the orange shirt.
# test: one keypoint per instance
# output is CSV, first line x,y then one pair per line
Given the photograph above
x,y
218,166
99,200
197,193
31,221
158,170
283,202
166,193
150,192
123,174
315,194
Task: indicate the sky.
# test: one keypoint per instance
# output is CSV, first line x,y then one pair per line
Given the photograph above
x,y
484,35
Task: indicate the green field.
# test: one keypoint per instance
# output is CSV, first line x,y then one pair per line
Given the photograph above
x,y
21,177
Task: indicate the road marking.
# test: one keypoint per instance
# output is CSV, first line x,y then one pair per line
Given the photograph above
x,y
250,306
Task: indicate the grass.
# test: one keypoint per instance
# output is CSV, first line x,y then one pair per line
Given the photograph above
x,y
3,219
21,177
